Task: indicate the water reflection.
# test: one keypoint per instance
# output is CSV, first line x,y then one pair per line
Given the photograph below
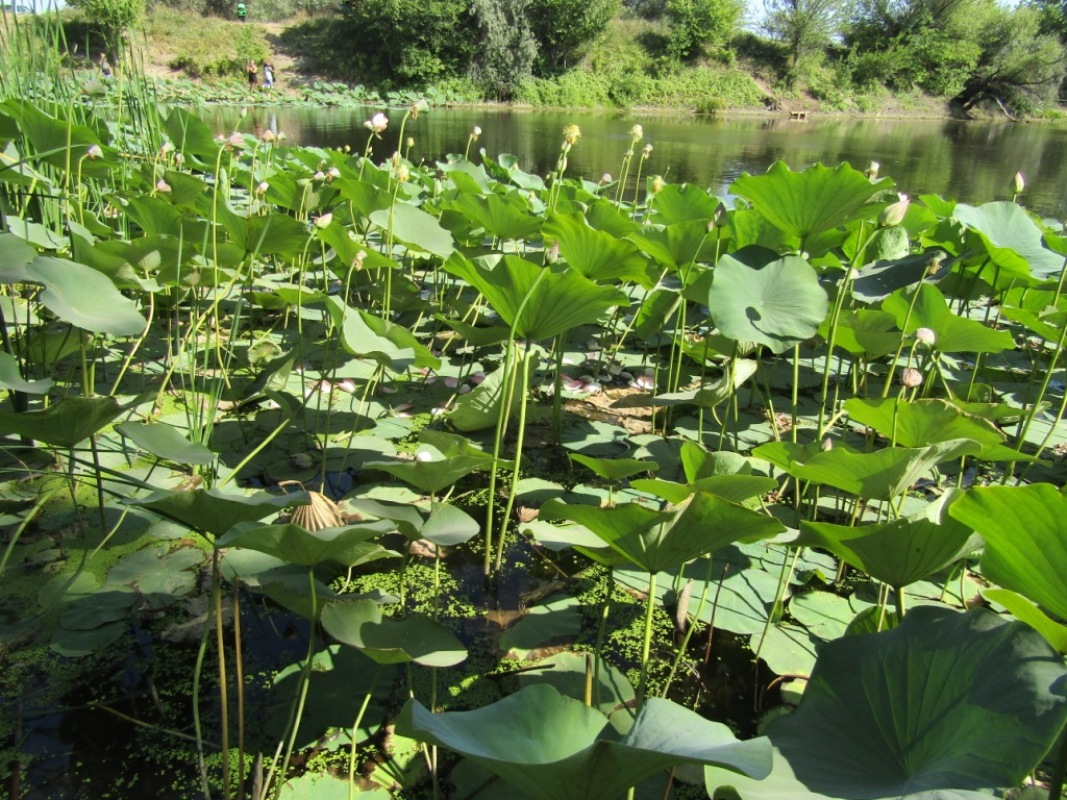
x,y
971,161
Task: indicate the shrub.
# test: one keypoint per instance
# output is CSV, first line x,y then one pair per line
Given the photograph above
x,y
700,26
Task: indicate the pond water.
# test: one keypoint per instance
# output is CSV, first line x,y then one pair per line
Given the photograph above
x,y
971,161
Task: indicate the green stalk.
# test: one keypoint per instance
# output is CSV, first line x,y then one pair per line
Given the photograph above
x,y
1059,770
224,705
646,645
305,680
355,733
524,389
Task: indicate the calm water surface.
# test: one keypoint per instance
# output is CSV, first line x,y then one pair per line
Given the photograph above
x,y
973,162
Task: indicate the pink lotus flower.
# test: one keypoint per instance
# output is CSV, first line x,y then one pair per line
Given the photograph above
x,y
378,123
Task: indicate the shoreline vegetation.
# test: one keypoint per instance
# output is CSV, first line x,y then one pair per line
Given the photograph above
x,y
192,58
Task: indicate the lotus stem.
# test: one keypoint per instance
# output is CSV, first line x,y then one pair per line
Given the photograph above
x,y
1059,769
224,705
305,680
240,677
646,646
601,631
355,733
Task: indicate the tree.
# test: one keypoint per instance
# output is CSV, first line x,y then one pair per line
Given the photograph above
x,y
113,18
565,28
804,25
508,47
400,43
1019,66
700,26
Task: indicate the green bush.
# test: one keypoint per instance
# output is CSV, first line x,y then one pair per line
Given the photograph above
x,y
565,29
700,26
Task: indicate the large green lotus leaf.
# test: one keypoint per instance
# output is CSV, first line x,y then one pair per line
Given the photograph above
x,y
154,216
881,475
865,332
79,295
66,422
341,678
448,525
758,297
211,511
166,442
480,408
1055,633
61,142
392,641
597,255
900,551
1025,529
805,203
324,786
79,643
684,202
657,540
953,334
99,608
923,422
559,620
161,577
566,672
415,228
274,234
710,395
673,247
11,378
1011,238
944,701
505,217
879,280
190,135
392,346
440,461
538,302
15,255
782,784
552,747
615,469
348,546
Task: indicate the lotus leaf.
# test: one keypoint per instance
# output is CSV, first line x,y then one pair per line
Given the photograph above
x,y
348,546
214,512
805,203
953,334
538,302
946,701
760,297
1025,529
552,747
901,551
415,638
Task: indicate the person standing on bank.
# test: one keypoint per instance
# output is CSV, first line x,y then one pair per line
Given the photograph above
x,y
105,67
268,75
251,68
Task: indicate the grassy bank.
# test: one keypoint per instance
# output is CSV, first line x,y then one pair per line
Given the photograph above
x,y
201,58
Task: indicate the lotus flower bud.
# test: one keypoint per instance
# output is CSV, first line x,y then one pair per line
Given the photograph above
x,y
262,188
911,378
646,152
925,336
571,134
236,140
403,174
267,136
827,444
894,214
605,178
324,221
1020,183
657,184
637,133
409,143
162,186
872,170
333,173
475,133
94,152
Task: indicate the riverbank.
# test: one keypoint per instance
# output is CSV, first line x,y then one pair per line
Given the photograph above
x,y
201,59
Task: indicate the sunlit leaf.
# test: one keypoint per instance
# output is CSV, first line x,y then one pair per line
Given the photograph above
x,y
392,641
